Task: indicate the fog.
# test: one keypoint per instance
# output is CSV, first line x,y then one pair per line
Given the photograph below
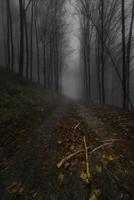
x,y
59,44
71,77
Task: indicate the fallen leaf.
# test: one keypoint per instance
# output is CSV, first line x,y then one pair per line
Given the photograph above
x,y
95,194
98,168
61,178
84,176
83,164
15,188
12,188
59,142
107,157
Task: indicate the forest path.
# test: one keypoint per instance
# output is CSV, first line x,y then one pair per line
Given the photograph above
x,y
38,129
31,171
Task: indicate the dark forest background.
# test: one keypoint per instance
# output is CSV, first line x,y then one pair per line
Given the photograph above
x,y
34,43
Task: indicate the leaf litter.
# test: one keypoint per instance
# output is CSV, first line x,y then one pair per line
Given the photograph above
x,y
76,144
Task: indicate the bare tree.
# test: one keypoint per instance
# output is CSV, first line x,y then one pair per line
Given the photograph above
x,y
21,55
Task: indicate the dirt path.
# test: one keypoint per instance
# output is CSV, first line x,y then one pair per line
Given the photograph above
x,y
116,179
31,172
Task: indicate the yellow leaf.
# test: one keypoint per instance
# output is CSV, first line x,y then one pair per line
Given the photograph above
x,y
84,176
61,178
83,164
107,157
98,168
93,197
95,194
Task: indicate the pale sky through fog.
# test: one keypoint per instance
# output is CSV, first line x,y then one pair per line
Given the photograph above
x,y
71,79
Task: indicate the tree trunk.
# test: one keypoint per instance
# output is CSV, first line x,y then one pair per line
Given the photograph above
x,y
38,50
98,69
123,54
31,43
27,44
5,39
129,44
8,34
11,39
21,55
102,52
44,66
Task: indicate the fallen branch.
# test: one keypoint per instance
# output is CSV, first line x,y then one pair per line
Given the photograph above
x,y
100,147
77,125
87,159
112,140
59,165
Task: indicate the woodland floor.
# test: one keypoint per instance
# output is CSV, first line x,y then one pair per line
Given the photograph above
x,y
38,129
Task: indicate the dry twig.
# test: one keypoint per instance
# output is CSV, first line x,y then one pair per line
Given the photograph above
x,y
108,143
101,146
112,140
77,125
87,159
59,165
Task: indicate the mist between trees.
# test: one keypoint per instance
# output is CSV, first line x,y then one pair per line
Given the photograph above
x,y
34,43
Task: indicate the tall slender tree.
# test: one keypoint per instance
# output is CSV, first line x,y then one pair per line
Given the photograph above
x,y
8,34
123,54
102,52
21,53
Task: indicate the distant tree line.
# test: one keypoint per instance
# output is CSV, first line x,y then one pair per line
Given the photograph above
x,y
107,41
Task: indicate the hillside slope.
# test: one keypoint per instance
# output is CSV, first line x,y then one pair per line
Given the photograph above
x,y
42,146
